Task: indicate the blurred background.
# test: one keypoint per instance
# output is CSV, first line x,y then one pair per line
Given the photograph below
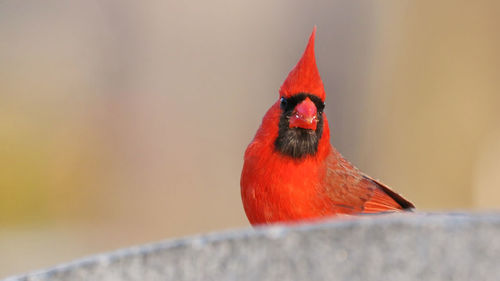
x,y
125,122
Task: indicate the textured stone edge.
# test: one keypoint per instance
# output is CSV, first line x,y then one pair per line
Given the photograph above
x,y
272,232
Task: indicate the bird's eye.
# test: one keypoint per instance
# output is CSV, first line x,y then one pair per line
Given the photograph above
x,y
321,108
283,103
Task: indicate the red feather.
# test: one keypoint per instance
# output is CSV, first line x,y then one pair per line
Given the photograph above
x,y
280,188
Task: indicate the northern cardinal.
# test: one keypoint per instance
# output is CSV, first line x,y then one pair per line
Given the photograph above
x,y
291,171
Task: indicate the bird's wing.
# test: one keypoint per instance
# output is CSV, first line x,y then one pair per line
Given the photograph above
x,y
385,199
353,192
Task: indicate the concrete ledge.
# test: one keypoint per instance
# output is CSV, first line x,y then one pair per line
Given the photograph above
x,y
384,247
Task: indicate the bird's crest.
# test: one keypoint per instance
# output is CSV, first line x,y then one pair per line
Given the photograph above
x,y
304,77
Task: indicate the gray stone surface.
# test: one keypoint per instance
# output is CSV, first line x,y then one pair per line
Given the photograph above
x,y
384,247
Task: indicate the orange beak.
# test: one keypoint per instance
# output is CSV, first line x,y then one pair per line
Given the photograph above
x,y
304,116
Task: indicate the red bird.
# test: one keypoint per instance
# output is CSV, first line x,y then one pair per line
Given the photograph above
x,y
291,171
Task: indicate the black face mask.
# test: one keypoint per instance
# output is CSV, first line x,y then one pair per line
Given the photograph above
x,y
298,142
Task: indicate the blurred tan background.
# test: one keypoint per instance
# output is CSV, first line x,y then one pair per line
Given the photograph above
x,y
125,122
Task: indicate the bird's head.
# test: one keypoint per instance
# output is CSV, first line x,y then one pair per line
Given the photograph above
x,y
301,100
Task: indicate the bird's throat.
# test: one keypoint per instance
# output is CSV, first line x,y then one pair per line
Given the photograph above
x,y
298,142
